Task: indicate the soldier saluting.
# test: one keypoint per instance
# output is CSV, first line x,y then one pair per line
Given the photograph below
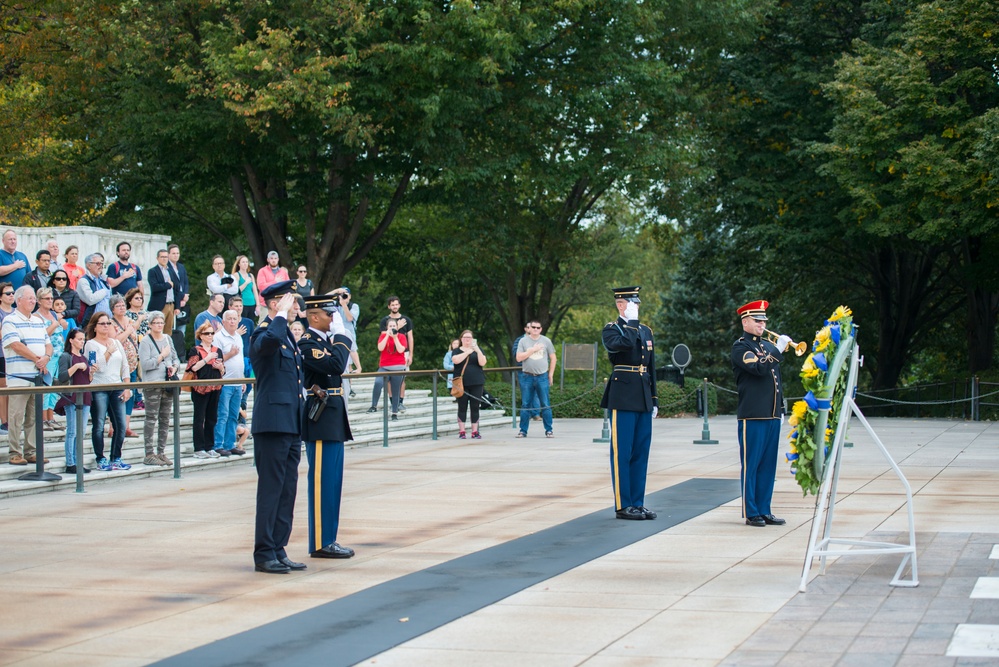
x,y
630,395
325,353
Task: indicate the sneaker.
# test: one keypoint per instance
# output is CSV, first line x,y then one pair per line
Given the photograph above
x,y
461,435
353,394
70,470
152,460
402,408
212,454
164,459
140,405
395,417
549,434
46,425
201,455
3,429
476,436
521,434
103,464
118,464
56,426
222,452
372,409
239,451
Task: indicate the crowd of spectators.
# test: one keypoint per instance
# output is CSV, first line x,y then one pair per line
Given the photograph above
x,y
72,324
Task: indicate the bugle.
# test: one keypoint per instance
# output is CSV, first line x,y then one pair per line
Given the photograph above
x,y
799,348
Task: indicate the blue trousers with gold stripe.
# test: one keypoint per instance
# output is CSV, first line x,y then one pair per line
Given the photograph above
x,y
631,438
758,440
325,485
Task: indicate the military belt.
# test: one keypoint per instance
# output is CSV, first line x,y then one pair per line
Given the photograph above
x,y
323,393
632,369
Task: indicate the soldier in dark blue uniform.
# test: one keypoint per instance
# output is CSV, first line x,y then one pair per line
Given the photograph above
x,y
277,429
630,395
325,353
756,362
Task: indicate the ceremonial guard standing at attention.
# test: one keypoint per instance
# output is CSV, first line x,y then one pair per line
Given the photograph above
x,y
761,406
325,354
630,395
278,411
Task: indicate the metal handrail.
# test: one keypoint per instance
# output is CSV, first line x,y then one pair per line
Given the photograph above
x,y
79,390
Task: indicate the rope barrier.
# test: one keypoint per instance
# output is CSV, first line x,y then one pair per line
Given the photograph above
x,y
542,407
897,402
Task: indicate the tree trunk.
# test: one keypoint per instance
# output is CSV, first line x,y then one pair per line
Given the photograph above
x,y
911,292
982,308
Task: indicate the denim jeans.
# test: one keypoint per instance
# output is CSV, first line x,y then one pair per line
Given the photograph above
x,y
536,403
225,427
107,404
134,396
71,435
531,386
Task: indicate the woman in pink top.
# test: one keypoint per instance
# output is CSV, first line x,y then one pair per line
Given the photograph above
x,y
272,273
70,267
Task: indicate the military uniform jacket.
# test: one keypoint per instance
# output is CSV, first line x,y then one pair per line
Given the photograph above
x,y
757,374
629,344
277,363
324,361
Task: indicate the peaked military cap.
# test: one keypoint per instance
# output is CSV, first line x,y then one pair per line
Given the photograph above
x,y
755,309
627,293
327,302
278,289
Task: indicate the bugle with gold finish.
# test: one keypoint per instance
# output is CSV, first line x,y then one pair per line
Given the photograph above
x,y
799,348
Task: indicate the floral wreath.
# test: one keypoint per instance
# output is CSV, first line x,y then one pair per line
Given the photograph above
x,y
805,413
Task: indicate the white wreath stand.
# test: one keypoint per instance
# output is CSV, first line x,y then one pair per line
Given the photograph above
x,y
819,547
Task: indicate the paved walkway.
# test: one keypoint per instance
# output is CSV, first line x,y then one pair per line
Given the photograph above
x,y
140,571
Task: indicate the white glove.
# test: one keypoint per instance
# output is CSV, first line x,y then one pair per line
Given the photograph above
x,y
655,411
783,342
631,311
336,324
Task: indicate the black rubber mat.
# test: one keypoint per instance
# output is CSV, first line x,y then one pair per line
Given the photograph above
x,y
354,628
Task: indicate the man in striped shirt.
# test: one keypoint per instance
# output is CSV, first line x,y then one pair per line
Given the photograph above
x,y
27,349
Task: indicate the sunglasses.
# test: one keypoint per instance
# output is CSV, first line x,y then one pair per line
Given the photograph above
x,y
62,279
8,294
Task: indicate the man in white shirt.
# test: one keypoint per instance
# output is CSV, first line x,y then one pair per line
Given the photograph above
x,y
229,340
27,349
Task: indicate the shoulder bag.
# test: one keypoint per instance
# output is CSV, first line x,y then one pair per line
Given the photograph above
x,y
458,383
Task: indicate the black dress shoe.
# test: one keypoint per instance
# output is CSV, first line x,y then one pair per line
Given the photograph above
x,y
631,514
333,551
771,520
272,567
755,521
649,514
292,565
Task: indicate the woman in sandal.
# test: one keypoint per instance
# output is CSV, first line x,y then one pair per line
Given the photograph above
x,y
468,363
205,361
126,332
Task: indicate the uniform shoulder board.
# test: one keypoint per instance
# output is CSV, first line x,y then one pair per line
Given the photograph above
x,y
307,336
749,358
263,325
609,324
